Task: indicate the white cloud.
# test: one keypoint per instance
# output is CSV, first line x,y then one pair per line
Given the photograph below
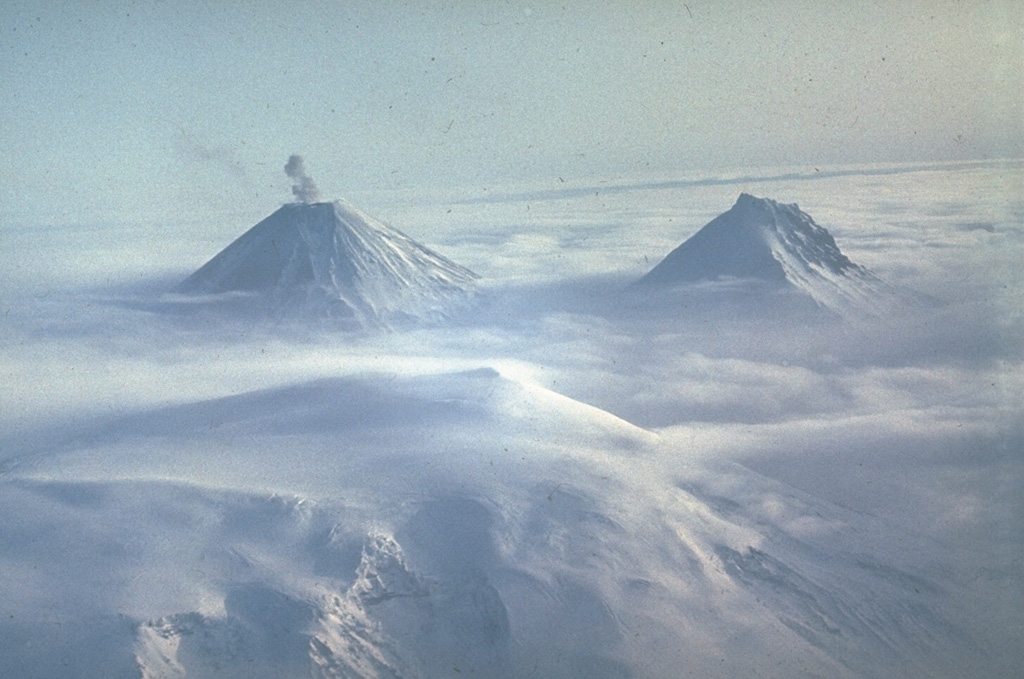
x,y
801,476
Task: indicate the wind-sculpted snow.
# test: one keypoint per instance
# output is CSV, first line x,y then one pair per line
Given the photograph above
x,y
433,525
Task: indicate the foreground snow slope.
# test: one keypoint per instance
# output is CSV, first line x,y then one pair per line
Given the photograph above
x,y
438,525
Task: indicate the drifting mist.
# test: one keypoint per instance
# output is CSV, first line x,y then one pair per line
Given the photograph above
x,y
565,476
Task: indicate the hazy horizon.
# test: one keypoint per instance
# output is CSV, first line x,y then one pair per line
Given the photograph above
x,y
116,109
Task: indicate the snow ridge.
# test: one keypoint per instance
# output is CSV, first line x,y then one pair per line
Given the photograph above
x,y
266,632
330,259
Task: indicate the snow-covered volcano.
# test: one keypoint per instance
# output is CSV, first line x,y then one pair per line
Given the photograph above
x,y
331,259
771,243
454,524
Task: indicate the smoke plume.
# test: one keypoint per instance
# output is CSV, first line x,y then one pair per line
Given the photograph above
x,y
303,188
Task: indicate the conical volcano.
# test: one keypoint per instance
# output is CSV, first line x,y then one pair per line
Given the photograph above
x,y
773,244
331,259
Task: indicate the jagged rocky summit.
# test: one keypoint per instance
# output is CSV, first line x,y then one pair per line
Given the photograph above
x,y
329,259
776,246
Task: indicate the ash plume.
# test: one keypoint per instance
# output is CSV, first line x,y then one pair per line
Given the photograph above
x,y
303,187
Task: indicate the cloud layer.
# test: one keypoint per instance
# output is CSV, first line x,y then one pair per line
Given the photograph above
x,y
774,473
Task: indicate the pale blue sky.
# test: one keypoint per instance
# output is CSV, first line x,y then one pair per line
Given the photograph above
x,y
143,109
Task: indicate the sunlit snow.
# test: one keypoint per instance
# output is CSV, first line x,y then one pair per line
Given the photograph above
x,y
563,474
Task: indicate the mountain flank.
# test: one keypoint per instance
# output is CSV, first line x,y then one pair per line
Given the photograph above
x,y
775,245
330,259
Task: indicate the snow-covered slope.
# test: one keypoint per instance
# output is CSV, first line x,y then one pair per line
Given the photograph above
x,y
801,498
761,240
331,259
465,524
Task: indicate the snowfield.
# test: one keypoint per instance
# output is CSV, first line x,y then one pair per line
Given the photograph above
x,y
573,477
